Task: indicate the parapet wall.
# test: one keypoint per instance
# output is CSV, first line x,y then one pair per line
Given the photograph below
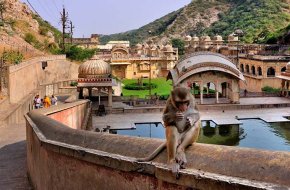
x,y
60,157
30,75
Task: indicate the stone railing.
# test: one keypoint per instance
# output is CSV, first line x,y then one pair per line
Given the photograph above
x,y
60,157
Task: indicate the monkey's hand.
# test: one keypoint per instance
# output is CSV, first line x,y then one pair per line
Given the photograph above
x,y
189,121
179,116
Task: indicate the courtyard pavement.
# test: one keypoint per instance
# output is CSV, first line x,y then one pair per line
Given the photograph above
x,y
220,117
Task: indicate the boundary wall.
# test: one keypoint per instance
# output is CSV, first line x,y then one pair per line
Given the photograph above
x,y
62,157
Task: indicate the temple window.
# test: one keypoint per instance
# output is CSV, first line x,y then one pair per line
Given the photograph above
x,y
247,69
283,69
260,71
242,68
253,70
271,72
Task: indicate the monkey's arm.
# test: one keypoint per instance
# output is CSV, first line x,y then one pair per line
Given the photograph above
x,y
169,115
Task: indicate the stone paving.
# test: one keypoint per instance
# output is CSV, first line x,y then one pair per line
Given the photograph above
x,y
13,171
220,117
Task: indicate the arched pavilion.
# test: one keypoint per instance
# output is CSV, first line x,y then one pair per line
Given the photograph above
x,y
205,69
96,74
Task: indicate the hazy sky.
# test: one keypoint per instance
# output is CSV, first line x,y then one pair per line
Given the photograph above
x,y
105,16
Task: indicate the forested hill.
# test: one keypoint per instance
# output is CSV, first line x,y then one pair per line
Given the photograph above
x,y
261,20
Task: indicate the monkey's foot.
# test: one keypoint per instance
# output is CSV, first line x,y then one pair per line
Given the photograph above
x,y
181,159
175,167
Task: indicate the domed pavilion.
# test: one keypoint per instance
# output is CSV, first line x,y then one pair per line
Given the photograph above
x,y
96,74
285,76
212,74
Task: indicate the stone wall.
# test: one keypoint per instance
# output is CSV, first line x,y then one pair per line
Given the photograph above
x,y
29,75
59,157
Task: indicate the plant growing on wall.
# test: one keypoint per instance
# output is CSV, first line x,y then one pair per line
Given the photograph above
x,y
12,57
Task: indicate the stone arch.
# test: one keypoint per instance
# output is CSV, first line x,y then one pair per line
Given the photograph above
x,y
247,69
260,73
270,72
253,69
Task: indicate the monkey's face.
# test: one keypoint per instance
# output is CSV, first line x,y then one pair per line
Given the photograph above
x,y
182,105
181,98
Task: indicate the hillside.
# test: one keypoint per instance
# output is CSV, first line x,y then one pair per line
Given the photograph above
x,y
257,18
21,30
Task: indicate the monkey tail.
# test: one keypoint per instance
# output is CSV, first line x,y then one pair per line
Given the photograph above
x,y
153,155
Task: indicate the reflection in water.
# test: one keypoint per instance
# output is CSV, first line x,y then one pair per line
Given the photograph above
x,y
252,133
222,135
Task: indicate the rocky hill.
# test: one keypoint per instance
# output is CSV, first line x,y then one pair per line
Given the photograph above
x,y
257,18
24,31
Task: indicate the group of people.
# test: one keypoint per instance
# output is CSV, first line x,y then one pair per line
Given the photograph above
x,y
46,102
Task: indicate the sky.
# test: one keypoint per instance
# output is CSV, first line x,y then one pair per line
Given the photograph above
x,y
105,16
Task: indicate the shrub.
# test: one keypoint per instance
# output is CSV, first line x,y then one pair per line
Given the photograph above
x,y
78,54
43,30
270,89
135,86
13,57
74,83
30,38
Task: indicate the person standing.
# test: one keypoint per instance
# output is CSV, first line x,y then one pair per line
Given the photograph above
x,y
37,102
46,102
53,100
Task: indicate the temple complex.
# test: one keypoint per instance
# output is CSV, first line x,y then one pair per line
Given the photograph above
x,y
142,61
258,63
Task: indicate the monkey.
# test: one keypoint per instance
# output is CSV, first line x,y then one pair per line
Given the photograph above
x,y
182,124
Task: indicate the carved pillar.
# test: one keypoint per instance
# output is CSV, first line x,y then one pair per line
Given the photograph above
x,y
201,91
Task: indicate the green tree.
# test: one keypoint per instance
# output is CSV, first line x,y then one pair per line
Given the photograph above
x,y
178,43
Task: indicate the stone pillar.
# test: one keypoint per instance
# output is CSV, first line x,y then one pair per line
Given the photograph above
x,y
201,91
217,88
287,88
90,92
110,98
283,87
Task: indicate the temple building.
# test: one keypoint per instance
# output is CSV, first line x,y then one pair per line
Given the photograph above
x,y
285,77
95,74
207,70
257,62
142,61
261,70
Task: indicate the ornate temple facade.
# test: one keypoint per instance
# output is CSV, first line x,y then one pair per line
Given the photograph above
x,y
143,60
257,62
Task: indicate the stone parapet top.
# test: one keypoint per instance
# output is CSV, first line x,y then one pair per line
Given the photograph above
x,y
26,63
